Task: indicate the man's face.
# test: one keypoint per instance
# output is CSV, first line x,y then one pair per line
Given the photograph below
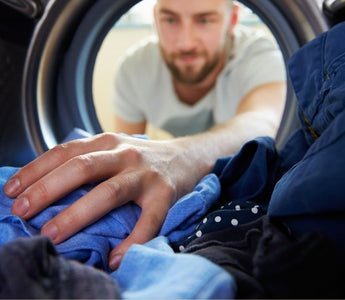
x,y
192,36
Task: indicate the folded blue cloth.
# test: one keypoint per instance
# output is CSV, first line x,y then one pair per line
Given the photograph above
x,y
93,244
154,271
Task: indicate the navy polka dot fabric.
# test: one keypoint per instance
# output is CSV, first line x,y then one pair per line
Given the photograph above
x,y
231,214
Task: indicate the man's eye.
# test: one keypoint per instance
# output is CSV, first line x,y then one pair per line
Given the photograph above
x,y
204,21
170,20
207,20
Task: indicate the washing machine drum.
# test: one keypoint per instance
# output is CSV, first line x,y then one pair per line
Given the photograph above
x,y
48,53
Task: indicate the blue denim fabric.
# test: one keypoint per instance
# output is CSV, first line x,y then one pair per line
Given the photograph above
x,y
311,195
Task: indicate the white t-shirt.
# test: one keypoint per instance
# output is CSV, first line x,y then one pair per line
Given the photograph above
x,y
144,90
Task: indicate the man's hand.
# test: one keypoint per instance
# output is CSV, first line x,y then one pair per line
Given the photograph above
x,y
153,174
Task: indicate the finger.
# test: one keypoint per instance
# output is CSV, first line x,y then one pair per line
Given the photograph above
x,y
154,210
55,157
146,229
64,179
92,206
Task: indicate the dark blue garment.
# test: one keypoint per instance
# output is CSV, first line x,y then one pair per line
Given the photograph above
x,y
246,180
311,195
250,174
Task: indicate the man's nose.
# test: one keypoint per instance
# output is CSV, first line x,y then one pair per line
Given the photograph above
x,y
187,37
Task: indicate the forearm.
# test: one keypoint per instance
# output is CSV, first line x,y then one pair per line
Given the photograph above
x,y
258,114
201,151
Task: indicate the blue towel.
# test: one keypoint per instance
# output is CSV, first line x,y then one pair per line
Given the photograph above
x,y
154,271
93,244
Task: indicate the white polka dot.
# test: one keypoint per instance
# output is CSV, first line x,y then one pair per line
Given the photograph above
x,y
237,207
198,233
204,220
181,248
255,210
217,219
234,222
222,207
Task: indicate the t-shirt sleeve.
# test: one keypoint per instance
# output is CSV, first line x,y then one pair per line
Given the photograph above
x,y
263,64
126,92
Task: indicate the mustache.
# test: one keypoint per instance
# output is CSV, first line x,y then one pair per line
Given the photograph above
x,y
184,54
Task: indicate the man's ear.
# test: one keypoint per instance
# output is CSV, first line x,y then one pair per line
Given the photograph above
x,y
155,17
234,18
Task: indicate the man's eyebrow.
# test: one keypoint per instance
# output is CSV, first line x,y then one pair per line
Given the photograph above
x,y
208,14
167,11
199,15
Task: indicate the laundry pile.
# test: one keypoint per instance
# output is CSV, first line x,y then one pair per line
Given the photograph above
x,y
263,224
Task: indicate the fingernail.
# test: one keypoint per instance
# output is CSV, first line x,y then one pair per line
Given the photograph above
x,y
115,261
20,207
51,231
11,186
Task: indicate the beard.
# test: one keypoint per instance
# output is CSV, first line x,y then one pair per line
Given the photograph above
x,y
190,74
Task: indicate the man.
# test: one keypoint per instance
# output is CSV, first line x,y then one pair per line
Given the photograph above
x,y
153,174
196,73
